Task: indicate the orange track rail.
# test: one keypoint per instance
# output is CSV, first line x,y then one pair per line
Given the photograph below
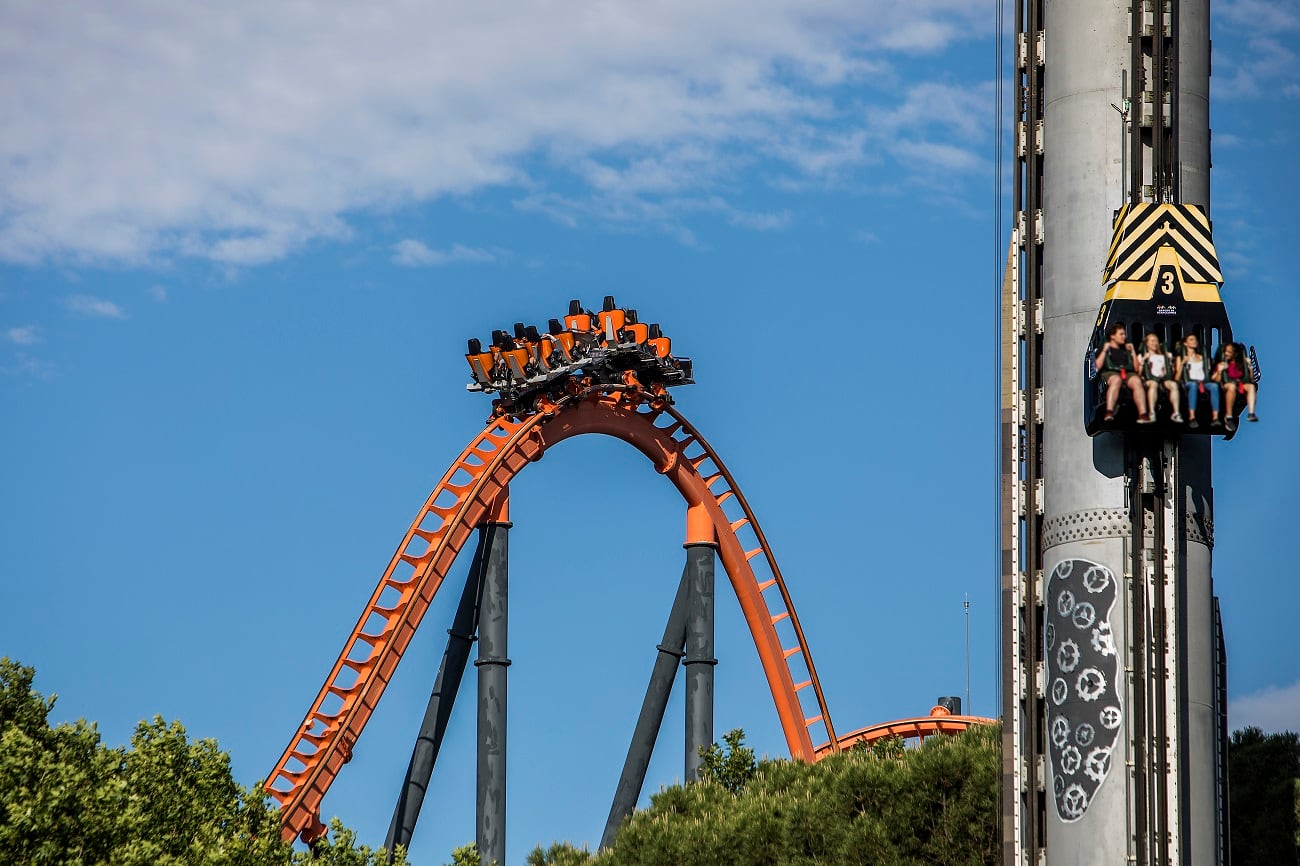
x,y
909,729
461,501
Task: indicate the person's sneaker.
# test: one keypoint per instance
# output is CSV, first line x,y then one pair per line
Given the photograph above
x,y
1252,417
1229,423
1110,416
1176,418
1193,423
1144,418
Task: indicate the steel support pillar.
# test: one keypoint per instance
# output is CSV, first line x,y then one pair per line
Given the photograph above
x,y
699,661
490,812
450,671
652,714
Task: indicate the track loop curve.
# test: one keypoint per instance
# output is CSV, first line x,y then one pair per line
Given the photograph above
x,y
461,501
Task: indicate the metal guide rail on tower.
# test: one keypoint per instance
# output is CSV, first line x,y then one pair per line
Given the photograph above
x,y
533,371
1023,482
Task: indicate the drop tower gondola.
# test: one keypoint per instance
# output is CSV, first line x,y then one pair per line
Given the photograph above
x,y
1161,277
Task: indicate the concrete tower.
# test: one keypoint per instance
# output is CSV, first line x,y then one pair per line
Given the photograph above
x,y
1112,664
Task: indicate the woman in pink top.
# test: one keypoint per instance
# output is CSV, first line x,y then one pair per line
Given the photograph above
x,y
1234,375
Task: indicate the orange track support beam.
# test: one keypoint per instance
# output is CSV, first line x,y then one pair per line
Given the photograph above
x,y
699,528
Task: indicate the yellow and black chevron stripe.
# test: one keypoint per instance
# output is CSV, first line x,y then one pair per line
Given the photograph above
x,y
1142,229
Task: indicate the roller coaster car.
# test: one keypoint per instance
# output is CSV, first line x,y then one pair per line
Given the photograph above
x,y
1162,276
611,348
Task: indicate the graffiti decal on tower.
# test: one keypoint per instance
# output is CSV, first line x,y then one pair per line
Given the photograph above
x,y
1083,675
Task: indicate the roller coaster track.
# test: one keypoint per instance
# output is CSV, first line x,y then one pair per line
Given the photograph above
x,y
938,722
463,499
471,492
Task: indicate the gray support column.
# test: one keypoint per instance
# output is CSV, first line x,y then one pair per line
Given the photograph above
x,y
492,662
1221,707
652,716
1087,503
1199,724
699,659
1195,482
450,671
1087,823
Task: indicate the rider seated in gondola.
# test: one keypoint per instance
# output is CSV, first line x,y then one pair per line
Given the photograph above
x,y
1194,374
1235,376
1158,375
1118,365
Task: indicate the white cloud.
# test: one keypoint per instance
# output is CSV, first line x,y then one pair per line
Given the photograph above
x,y
664,214
1257,58
962,111
759,221
1276,708
1258,72
242,131
413,253
158,293
1263,16
947,159
34,368
26,335
93,308
921,36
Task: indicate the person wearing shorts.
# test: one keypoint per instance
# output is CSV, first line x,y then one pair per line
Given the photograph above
x,y
1157,374
1118,365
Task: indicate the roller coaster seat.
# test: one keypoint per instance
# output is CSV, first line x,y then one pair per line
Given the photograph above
x,y
579,322
610,323
663,346
634,332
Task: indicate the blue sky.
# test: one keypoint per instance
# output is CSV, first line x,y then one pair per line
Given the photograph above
x,y
240,251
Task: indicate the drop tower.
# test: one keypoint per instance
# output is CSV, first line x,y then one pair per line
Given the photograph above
x,y
1114,673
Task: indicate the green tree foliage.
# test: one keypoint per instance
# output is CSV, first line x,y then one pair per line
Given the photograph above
x,y
1264,797
66,798
730,765
465,855
559,854
340,848
935,804
886,748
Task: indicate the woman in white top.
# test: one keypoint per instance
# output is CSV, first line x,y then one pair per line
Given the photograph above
x,y
1158,372
1194,373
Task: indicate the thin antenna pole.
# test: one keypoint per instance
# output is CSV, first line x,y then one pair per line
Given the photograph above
x,y
966,608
